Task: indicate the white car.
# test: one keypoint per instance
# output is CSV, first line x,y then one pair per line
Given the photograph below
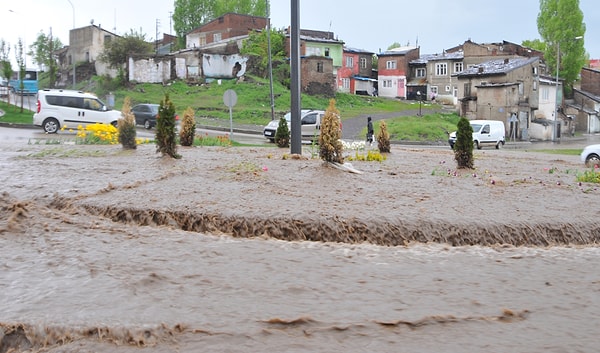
x,y
310,122
591,155
57,108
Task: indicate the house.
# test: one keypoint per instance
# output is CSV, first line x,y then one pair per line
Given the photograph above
x,y
502,89
224,28
165,45
321,58
433,75
393,71
355,74
586,102
86,44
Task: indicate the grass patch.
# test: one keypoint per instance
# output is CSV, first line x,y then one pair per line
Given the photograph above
x,y
563,151
13,114
64,152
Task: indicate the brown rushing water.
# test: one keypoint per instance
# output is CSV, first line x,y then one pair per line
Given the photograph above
x,y
78,275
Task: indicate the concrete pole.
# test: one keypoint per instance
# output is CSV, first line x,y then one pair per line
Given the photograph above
x,y
296,145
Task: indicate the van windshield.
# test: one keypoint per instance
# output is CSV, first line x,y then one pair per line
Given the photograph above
x,y
476,127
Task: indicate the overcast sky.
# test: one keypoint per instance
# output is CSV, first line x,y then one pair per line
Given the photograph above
x,y
434,26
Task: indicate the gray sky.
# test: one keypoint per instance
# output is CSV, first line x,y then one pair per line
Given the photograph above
x,y
436,25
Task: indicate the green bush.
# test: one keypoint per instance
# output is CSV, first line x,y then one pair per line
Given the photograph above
x,y
463,147
282,135
165,129
126,126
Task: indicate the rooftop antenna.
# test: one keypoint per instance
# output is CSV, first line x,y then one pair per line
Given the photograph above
x,y
170,22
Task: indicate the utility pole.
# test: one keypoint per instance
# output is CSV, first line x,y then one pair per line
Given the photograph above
x,y
270,58
296,145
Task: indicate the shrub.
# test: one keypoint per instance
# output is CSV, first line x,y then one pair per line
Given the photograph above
x,y
165,129
126,126
282,135
383,138
330,145
463,147
188,128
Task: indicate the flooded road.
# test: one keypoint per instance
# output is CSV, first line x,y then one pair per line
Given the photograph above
x,y
72,280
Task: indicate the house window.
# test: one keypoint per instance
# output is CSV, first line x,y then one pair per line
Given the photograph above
x,y
441,69
448,88
346,83
349,61
434,90
467,90
87,56
535,85
217,37
535,70
327,52
420,72
107,38
202,40
363,63
458,67
546,93
390,65
521,89
387,83
319,67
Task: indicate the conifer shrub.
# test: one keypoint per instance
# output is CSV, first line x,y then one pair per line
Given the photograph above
x,y
463,147
126,126
188,128
330,144
383,138
282,134
166,142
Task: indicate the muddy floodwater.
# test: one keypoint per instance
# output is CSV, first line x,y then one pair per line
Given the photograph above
x,y
247,250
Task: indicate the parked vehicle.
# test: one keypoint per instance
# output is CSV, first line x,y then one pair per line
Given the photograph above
x,y
485,132
310,121
4,88
28,84
591,155
146,114
58,108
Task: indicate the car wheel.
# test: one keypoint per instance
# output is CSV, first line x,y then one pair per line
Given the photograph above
x,y
592,160
51,126
115,123
147,124
476,145
498,145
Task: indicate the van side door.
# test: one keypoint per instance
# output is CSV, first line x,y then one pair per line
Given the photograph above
x,y
486,135
93,111
310,125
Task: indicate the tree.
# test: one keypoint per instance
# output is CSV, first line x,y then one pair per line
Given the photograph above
x,y
463,148
330,143
534,44
126,126
42,51
6,70
257,46
20,57
117,50
166,142
191,14
559,23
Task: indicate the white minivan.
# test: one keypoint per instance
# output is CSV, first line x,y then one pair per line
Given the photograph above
x,y
57,108
485,132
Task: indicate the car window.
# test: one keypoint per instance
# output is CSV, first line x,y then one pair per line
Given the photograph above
x,y
309,119
486,129
476,127
92,104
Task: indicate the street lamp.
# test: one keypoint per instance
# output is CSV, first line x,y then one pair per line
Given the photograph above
x,y
420,101
554,125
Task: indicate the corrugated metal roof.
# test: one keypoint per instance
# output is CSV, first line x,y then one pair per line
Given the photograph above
x,y
425,58
497,67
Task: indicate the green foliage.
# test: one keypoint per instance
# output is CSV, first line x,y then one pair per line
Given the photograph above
x,y
383,138
191,14
257,46
166,143
589,176
43,52
330,145
534,44
559,23
221,140
431,127
463,147
126,127
282,134
117,50
5,63
188,128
